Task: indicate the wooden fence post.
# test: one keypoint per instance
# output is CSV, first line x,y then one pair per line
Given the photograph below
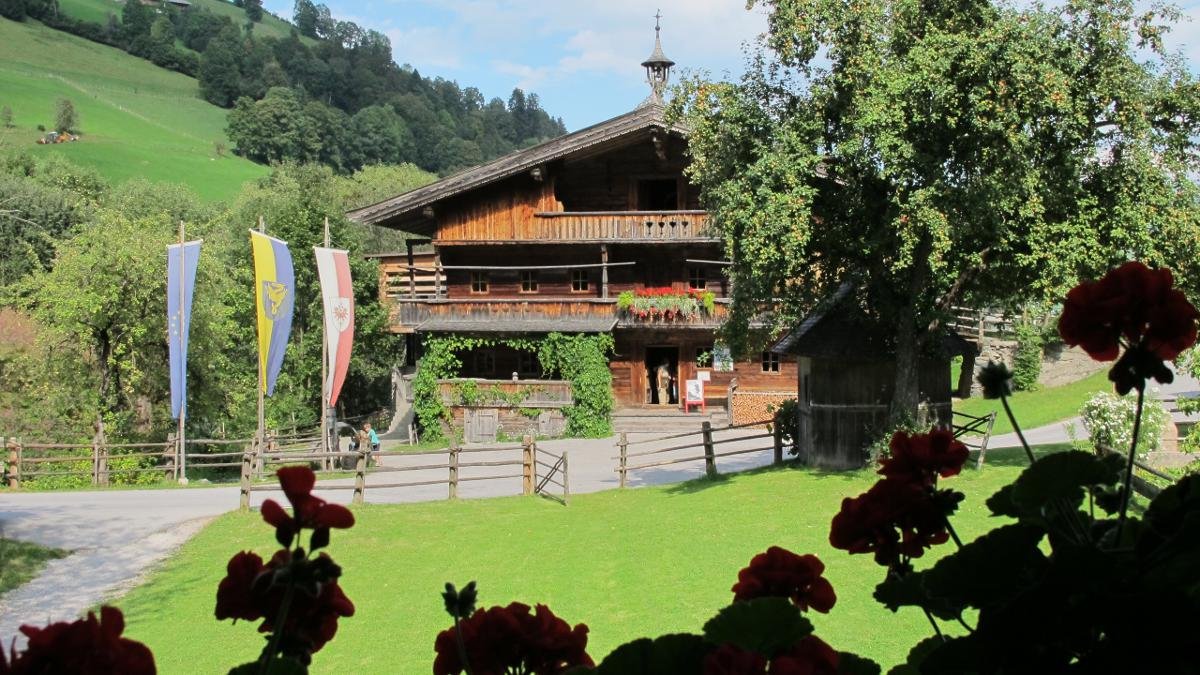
x,y
360,475
171,454
14,462
527,465
623,467
566,480
710,462
99,456
778,443
453,470
247,469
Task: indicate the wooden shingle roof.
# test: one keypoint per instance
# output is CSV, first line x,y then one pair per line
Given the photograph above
x,y
644,118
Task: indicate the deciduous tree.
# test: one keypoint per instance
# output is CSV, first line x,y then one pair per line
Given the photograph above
x,y
932,153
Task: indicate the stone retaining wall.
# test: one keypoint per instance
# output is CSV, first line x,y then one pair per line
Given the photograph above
x,y
1060,364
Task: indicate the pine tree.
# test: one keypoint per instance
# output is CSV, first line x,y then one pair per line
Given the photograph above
x,y
65,118
254,10
6,117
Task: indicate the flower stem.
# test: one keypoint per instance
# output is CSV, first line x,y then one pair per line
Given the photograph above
x,y
953,534
462,646
933,622
1017,428
1125,495
277,634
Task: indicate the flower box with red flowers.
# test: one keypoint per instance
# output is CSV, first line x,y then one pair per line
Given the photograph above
x,y
665,304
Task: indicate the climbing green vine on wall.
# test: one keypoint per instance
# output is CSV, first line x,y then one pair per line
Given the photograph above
x,y
580,359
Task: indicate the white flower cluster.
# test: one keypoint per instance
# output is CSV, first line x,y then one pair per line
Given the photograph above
x,y
1109,421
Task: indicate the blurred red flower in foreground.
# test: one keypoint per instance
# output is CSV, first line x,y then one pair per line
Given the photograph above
x,y
780,573
921,458
809,656
88,646
508,639
891,519
1132,302
309,511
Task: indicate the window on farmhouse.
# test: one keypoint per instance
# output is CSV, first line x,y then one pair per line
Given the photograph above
x,y
479,282
527,364
704,356
579,280
529,281
658,194
697,279
485,362
770,362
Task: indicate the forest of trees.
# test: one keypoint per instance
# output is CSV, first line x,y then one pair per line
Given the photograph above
x,y
329,92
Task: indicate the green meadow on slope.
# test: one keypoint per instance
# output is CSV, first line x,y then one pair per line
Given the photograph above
x,y
97,11
627,563
136,119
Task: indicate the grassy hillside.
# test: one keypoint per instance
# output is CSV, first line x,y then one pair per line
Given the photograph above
x,y
97,11
137,119
627,563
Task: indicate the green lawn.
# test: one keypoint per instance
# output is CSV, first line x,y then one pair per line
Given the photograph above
x,y
627,563
21,561
136,119
97,11
1041,407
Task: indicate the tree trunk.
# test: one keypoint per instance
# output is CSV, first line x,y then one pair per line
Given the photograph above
x,y
906,388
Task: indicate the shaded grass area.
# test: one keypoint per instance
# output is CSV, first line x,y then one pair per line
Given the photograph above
x,y
1041,407
21,561
136,119
628,563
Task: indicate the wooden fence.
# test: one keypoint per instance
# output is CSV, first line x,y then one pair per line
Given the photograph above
x,y
705,443
536,468
1146,480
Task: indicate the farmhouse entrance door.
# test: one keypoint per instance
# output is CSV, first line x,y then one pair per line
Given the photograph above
x,y
662,375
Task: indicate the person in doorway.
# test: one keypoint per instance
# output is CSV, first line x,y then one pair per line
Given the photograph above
x,y
663,379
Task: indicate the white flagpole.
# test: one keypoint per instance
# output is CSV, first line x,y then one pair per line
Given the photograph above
x,y
325,445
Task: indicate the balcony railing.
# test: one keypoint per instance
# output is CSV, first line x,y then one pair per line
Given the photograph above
x,y
530,315
648,226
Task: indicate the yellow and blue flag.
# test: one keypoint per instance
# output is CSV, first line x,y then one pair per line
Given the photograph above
x,y
275,289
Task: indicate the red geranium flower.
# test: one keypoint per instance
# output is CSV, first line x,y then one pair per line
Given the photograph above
x,y
503,638
730,659
312,619
235,594
1132,302
891,519
920,458
310,512
810,656
87,646
780,573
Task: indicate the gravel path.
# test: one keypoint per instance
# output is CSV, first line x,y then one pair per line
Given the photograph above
x,y
116,536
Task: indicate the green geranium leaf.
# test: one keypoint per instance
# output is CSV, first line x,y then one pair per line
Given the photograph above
x,y
954,656
909,591
853,664
988,571
1060,476
916,656
762,625
1001,503
678,653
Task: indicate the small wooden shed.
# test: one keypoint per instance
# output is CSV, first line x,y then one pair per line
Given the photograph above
x,y
846,375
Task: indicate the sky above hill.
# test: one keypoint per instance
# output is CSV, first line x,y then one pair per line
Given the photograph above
x,y
581,56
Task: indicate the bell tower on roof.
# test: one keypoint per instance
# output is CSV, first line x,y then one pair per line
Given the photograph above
x,y
658,66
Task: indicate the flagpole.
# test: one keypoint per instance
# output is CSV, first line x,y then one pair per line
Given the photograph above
x,y
262,436
183,374
325,445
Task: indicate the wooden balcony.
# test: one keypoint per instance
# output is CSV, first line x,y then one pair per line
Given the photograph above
x,y
521,315
600,226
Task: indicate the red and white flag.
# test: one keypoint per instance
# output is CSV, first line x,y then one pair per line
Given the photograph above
x,y
337,292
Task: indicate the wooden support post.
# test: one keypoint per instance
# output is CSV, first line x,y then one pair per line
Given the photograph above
x,y
360,475
527,465
172,455
412,278
710,462
533,458
14,462
247,470
778,443
453,470
604,270
623,468
437,275
566,479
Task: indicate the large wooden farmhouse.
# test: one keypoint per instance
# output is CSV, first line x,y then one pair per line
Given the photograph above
x,y
598,231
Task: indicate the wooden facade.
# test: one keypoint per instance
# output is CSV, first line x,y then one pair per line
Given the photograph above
x,y
547,239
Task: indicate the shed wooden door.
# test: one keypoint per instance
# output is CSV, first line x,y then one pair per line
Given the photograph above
x,y
480,425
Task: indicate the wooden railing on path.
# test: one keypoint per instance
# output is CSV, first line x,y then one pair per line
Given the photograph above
x,y
452,459
705,444
973,424
1146,480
